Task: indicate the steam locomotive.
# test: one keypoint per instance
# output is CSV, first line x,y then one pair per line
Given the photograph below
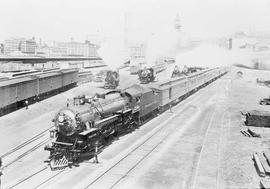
x,y
146,75
111,80
88,123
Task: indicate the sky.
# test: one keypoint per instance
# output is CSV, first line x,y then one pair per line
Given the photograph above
x,y
62,20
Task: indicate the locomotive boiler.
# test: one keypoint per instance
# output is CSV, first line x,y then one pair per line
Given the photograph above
x,y
86,122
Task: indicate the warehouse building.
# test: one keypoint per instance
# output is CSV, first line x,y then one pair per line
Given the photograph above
x,y
22,45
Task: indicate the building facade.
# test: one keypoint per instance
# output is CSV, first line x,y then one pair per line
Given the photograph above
x,y
28,46
23,45
1,48
137,51
86,49
12,45
51,51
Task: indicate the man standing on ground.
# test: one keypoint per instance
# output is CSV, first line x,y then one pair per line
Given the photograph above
x,y
0,171
26,104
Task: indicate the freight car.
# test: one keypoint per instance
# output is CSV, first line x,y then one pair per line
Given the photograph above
x,y
91,122
37,86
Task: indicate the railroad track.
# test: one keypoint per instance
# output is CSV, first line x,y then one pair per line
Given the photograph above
x,y
58,173
221,127
202,150
26,153
29,141
27,178
157,135
35,173
152,144
146,147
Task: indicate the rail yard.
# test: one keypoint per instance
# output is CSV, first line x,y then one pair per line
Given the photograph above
x,y
196,143
134,94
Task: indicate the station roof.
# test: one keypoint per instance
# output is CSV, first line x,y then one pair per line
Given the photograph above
x,y
48,74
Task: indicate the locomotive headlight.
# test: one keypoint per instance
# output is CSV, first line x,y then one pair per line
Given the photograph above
x,y
52,133
61,120
65,122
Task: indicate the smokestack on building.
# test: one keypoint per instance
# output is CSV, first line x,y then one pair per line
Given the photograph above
x,y
177,24
230,43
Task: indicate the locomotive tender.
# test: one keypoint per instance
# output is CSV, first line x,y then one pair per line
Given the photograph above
x,y
92,122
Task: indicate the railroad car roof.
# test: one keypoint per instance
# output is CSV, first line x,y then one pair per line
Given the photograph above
x,y
68,70
15,81
136,89
48,74
168,83
4,78
85,72
259,113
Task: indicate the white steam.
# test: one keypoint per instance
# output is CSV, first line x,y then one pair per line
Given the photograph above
x,y
163,43
209,55
112,52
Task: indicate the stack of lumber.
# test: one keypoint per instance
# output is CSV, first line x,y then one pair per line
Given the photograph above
x,y
250,133
265,184
258,118
262,162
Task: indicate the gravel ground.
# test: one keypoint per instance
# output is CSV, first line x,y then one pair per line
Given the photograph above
x,y
244,95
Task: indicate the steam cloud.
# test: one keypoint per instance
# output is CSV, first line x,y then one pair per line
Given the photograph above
x,y
163,43
210,55
112,52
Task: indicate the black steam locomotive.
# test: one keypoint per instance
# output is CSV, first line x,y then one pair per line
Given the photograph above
x,y
111,80
88,123
146,75
91,121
